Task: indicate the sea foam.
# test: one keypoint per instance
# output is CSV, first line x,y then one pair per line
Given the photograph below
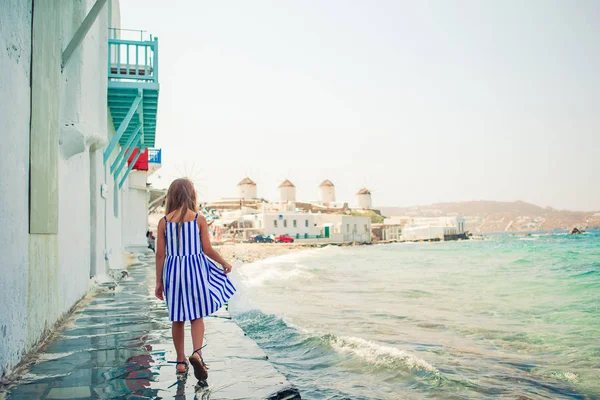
x,y
380,355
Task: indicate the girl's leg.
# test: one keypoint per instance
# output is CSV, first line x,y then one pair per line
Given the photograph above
x,y
178,333
197,334
200,369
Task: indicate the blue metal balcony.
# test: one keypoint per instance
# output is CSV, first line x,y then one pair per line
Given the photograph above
x,y
132,99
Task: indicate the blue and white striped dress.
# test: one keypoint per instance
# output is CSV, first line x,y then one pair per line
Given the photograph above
x,y
194,286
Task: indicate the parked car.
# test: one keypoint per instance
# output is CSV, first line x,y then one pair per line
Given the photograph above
x,y
284,239
260,239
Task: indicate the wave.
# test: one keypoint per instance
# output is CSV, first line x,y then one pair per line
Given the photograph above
x,y
522,261
379,355
253,276
564,376
586,273
274,332
281,268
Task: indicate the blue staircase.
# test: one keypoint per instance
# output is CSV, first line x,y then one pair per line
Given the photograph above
x,y
132,100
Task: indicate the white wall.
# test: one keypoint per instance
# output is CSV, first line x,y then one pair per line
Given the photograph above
x,y
82,105
135,215
391,232
327,194
305,224
33,302
427,232
114,212
346,228
227,217
287,193
364,201
15,59
247,192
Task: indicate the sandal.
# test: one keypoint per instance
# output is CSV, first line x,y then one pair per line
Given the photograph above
x,y
200,368
187,367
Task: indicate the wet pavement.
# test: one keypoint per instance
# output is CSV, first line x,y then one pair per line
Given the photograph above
x,y
119,345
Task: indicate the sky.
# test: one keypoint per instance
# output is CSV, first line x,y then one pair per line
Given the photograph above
x,y
419,101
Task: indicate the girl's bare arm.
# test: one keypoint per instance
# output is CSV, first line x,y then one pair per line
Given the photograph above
x,y
160,251
207,246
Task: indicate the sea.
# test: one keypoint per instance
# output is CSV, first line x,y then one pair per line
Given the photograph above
x,y
510,317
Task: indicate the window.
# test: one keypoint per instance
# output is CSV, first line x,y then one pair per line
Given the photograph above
x,y
275,223
347,228
295,224
366,228
306,223
285,223
354,229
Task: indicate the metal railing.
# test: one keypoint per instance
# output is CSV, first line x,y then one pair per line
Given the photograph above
x,y
155,156
133,60
118,33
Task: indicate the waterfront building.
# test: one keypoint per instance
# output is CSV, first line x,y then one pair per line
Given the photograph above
x,y
78,112
442,228
296,225
342,228
387,231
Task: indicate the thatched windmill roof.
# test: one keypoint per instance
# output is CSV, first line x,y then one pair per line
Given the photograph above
x,y
286,183
246,181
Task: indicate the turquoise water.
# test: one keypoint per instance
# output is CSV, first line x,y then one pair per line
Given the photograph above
x,y
507,317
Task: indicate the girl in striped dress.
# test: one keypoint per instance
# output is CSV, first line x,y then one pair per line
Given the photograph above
x,y
186,276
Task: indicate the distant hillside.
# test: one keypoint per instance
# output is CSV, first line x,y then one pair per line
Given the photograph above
x,y
496,216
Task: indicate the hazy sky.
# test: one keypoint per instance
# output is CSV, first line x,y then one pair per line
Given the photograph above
x,y
420,101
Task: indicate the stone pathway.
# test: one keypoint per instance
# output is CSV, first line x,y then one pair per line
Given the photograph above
x,y
119,344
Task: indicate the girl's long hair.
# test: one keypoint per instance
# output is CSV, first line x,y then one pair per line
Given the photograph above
x,y
181,196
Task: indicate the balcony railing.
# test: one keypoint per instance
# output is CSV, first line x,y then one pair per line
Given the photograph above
x,y
155,156
133,60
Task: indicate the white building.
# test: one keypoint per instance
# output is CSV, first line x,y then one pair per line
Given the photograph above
x,y
327,192
247,189
363,198
64,203
341,228
391,232
287,192
443,228
229,216
296,225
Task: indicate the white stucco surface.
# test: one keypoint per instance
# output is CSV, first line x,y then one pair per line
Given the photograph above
x,y
364,201
135,217
15,58
346,228
327,194
247,191
114,212
44,275
83,105
287,193
283,224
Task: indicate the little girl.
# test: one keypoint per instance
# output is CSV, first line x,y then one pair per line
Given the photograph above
x,y
193,285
